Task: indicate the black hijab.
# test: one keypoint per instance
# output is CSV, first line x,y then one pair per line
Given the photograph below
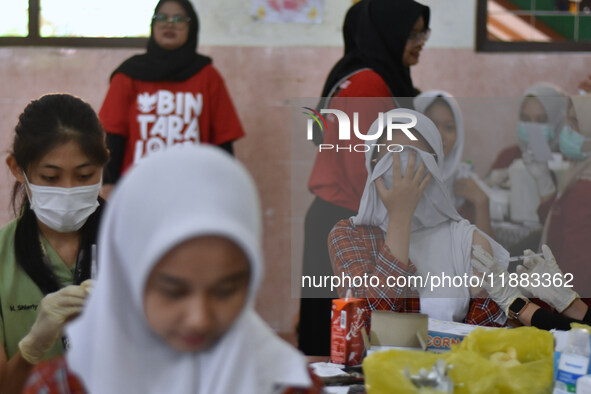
x,y
375,33
159,64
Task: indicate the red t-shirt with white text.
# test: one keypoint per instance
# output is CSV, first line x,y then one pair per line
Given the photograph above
x,y
152,115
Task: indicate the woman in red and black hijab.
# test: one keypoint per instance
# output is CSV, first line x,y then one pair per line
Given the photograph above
x,y
169,95
385,36
383,39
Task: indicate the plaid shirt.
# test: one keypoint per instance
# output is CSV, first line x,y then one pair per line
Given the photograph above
x,y
361,251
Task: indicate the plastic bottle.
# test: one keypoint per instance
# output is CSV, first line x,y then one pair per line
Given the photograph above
x,y
584,385
573,363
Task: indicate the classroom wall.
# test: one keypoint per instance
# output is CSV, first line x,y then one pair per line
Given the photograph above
x,y
267,65
229,23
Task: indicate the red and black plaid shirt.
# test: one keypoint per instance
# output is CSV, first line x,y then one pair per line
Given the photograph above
x,y
358,251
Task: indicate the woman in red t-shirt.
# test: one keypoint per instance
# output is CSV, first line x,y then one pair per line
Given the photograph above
x,y
169,95
383,39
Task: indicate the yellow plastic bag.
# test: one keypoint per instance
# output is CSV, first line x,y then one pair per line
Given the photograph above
x,y
384,371
473,372
535,352
581,325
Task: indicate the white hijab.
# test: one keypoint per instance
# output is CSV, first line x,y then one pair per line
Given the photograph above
x,y
178,194
581,170
554,100
440,240
452,161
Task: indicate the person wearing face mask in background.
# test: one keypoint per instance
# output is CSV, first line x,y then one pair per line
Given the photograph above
x,y
543,107
172,310
567,217
407,225
57,158
527,174
383,40
169,95
461,182
542,112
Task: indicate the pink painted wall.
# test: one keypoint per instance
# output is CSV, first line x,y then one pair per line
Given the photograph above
x,y
261,81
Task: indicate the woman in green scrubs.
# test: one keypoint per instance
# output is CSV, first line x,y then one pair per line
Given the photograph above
x,y
46,252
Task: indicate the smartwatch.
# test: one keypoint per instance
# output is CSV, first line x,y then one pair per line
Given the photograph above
x,y
517,306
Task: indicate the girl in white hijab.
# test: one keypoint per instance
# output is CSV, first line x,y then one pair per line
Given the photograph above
x,y
407,225
179,267
469,198
542,109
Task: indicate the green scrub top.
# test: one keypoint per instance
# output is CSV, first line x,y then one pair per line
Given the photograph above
x,y
19,295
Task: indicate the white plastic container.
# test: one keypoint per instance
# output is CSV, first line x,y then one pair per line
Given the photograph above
x,y
584,385
573,363
523,198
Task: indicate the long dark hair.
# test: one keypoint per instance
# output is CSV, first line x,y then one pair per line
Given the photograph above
x,y
45,124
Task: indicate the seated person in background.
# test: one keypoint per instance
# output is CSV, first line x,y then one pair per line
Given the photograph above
x,y
470,200
522,168
407,225
567,216
536,273
172,310
383,41
541,104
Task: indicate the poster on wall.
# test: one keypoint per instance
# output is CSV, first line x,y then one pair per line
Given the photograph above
x,y
288,11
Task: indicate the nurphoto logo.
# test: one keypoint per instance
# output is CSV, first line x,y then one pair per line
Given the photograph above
x,y
389,122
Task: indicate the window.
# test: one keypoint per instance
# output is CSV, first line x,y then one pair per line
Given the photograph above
x,y
123,23
533,25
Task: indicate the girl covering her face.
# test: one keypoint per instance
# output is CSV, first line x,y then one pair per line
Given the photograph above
x,y
181,239
439,240
379,51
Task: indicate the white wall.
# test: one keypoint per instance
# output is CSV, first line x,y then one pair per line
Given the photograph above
x,y
228,23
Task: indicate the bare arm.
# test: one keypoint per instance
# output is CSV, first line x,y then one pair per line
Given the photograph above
x,y
576,310
479,239
17,368
2,364
482,218
526,316
469,190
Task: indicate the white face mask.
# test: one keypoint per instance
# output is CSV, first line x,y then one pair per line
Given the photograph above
x,y
63,209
